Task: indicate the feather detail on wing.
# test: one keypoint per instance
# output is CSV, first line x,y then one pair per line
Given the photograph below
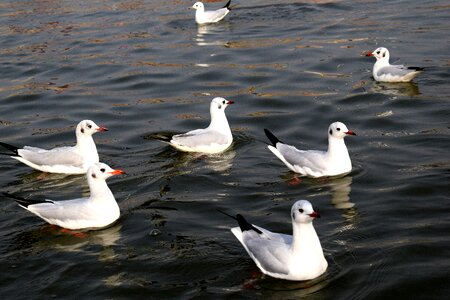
x,y
312,159
200,137
57,156
269,255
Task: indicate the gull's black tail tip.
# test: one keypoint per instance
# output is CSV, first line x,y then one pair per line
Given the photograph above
x,y
416,68
244,225
227,5
22,201
226,214
272,138
11,148
160,136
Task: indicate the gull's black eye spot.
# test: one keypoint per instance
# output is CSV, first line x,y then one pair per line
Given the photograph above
x,y
331,131
338,129
220,106
89,126
82,130
93,175
103,170
223,102
378,52
384,54
301,210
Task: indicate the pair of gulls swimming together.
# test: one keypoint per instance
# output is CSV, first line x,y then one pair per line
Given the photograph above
x,y
382,71
296,257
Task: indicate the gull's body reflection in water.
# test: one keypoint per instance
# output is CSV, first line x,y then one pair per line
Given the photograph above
x,y
212,34
43,183
185,163
398,89
340,189
50,237
336,188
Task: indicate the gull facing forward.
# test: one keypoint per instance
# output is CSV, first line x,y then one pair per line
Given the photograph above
x,y
211,16
316,163
291,257
383,71
66,160
215,138
97,211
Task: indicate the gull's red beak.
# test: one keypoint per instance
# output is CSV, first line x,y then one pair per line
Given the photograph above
x,y
101,128
369,54
314,214
230,102
350,132
117,172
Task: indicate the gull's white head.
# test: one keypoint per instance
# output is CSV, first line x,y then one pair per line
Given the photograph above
x,y
88,128
380,54
198,6
339,130
101,171
220,103
303,212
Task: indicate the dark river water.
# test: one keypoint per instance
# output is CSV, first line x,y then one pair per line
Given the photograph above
x,y
144,67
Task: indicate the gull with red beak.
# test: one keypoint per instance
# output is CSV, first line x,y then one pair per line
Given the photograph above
x,y
292,257
66,160
97,211
215,138
211,16
383,71
316,163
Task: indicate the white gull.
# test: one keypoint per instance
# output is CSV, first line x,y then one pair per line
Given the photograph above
x,y
291,257
316,163
383,71
216,138
67,160
97,211
211,16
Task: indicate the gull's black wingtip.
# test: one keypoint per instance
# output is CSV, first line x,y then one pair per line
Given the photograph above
x,y
227,5
24,202
11,148
272,138
160,136
226,214
244,225
416,68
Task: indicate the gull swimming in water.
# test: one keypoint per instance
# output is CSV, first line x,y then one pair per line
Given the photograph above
x,y
66,160
210,16
292,257
316,163
97,211
215,138
383,71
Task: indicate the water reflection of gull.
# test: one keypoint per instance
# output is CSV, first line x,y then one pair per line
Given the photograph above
x,y
396,89
210,35
339,189
220,162
44,182
50,237
340,192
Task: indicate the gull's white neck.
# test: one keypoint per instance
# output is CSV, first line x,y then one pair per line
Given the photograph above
x,y
219,122
305,241
337,148
380,63
86,146
99,190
